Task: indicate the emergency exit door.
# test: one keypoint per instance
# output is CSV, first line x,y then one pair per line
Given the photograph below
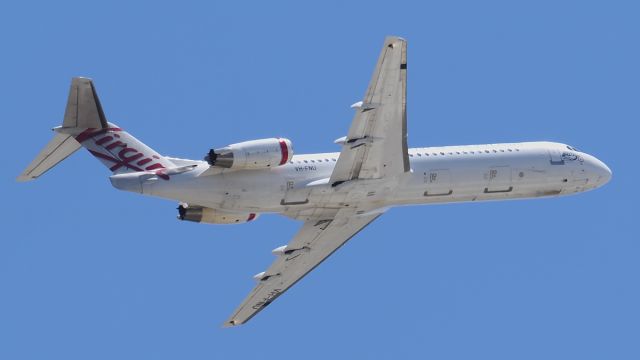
x,y
499,180
438,182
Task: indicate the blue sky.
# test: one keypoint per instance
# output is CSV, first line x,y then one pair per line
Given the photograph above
x,y
90,272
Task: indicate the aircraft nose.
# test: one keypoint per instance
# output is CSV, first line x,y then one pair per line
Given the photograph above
x,y
601,171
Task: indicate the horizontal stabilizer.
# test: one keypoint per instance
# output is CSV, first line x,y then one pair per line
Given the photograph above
x,y
56,150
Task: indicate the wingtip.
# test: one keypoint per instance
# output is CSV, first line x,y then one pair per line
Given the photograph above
x,y
78,80
24,178
395,42
396,38
230,323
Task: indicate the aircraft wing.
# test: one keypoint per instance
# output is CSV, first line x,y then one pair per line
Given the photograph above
x,y
316,240
376,145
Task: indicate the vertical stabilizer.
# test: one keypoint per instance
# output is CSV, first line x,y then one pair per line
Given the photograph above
x,y
85,125
83,106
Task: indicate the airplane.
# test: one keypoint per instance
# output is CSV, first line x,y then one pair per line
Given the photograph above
x,y
335,195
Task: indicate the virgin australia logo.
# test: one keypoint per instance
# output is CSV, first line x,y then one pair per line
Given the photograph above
x,y
567,156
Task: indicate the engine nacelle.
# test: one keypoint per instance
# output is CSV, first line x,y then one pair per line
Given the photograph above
x,y
255,154
206,215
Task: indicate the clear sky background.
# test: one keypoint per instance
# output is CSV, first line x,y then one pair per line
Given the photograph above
x,y
87,272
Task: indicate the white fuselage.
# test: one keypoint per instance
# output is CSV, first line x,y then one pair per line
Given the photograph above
x,y
301,188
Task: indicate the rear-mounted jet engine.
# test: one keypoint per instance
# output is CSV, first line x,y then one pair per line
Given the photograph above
x,y
206,215
255,154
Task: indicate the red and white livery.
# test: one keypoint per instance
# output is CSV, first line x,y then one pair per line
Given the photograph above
x,y
335,195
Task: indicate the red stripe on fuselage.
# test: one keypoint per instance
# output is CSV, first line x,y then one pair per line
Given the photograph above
x,y
118,163
125,157
91,132
162,174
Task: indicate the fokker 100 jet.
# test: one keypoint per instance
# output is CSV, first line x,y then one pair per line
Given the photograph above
x,y
335,195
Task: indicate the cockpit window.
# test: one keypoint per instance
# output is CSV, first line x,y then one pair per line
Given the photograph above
x,y
572,148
